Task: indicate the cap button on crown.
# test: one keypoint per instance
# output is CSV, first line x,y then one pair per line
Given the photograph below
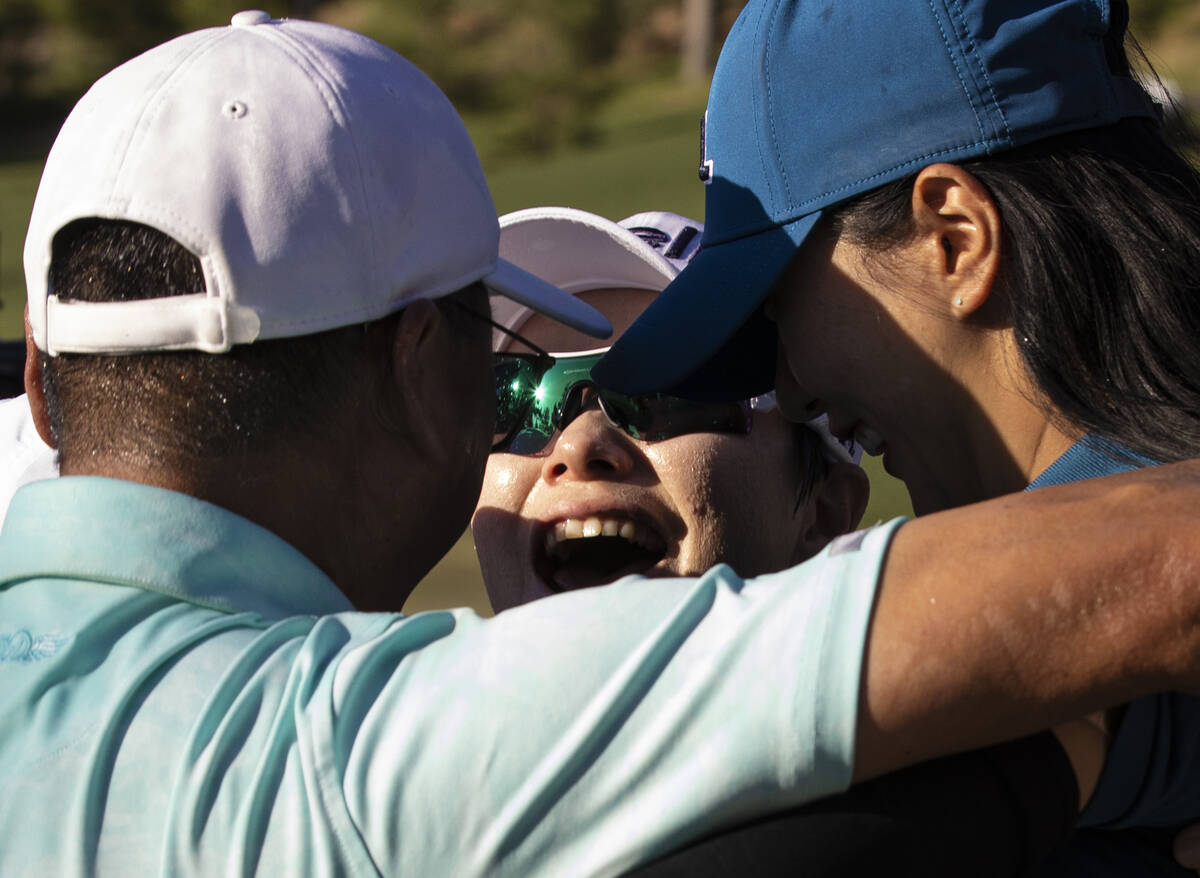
x,y
250,17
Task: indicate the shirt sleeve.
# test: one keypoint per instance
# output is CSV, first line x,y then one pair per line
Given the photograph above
x,y
592,731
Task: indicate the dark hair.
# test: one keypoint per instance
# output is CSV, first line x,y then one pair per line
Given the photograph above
x,y
1100,274
180,408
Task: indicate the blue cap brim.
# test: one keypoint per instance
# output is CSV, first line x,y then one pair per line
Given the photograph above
x,y
705,336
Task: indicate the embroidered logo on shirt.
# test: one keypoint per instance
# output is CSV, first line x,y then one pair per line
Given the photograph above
x,y
22,647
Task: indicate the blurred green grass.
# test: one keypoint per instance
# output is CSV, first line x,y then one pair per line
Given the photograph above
x,y
646,160
18,182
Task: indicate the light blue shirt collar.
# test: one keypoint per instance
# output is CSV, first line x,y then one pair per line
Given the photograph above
x,y
126,533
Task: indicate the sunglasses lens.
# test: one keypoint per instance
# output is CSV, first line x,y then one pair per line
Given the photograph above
x,y
527,401
516,384
654,417
530,406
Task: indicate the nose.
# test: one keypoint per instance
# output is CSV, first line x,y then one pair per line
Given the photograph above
x,y
791,398
589,448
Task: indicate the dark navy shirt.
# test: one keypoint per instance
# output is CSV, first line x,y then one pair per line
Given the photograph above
x,y
1150,786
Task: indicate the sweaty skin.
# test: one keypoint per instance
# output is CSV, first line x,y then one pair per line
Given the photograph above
x,y
935,382
692,501
878,343
1067,629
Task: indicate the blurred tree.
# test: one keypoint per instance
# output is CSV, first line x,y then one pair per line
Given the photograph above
x,y
21,22
120,29
698,25
545,65
1147,17
56,48
541,69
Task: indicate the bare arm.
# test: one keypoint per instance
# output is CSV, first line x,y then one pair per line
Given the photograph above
x,y
1005,617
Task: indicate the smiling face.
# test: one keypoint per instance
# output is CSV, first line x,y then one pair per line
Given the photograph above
x,y
910,349
880,361
597,504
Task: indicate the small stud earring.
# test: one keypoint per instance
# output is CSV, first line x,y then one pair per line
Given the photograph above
x,y
958,301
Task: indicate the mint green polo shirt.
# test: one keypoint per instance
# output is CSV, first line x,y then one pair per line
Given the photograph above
x,y
183,693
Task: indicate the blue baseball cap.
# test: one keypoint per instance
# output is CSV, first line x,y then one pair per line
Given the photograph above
x,y
814,102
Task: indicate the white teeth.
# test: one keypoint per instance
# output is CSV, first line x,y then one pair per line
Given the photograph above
x,y
871,442
594,526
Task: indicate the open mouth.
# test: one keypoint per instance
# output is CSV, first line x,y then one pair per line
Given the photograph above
x,y
583,552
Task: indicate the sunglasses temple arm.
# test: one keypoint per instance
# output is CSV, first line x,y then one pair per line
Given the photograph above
x,y
499,327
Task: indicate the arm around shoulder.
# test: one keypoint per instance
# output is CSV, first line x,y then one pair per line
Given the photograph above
x,y
1001,618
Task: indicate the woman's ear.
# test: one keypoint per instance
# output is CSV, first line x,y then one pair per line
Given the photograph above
x,y
837,502
34,390
960,233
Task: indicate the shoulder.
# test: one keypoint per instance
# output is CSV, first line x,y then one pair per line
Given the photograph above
x,y
24,457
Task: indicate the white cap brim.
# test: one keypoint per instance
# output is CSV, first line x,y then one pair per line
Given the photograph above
x,y
530,291
576,251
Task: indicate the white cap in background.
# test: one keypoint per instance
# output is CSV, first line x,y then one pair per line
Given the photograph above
x,y
580,251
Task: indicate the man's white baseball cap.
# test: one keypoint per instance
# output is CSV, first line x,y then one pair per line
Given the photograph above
x,y
321,179
580,251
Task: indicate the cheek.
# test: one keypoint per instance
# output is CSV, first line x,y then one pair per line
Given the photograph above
x,y
497,522
792,400
502,481
698,473
827,321
482,398
472,414
683,466
752,484
807,352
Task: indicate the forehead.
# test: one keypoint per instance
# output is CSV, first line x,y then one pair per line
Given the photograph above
x,y
620,305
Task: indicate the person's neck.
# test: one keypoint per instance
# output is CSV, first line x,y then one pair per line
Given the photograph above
x,y
1019,424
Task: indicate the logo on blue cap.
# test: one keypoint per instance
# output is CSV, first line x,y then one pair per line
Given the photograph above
x,y
706,164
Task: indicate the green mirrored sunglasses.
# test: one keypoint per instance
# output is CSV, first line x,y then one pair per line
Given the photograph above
x,y
539,394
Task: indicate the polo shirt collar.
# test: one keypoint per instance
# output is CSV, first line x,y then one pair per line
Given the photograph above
x,y
1090,457
124,533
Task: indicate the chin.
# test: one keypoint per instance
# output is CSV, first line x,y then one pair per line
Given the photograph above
x,y
926,503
